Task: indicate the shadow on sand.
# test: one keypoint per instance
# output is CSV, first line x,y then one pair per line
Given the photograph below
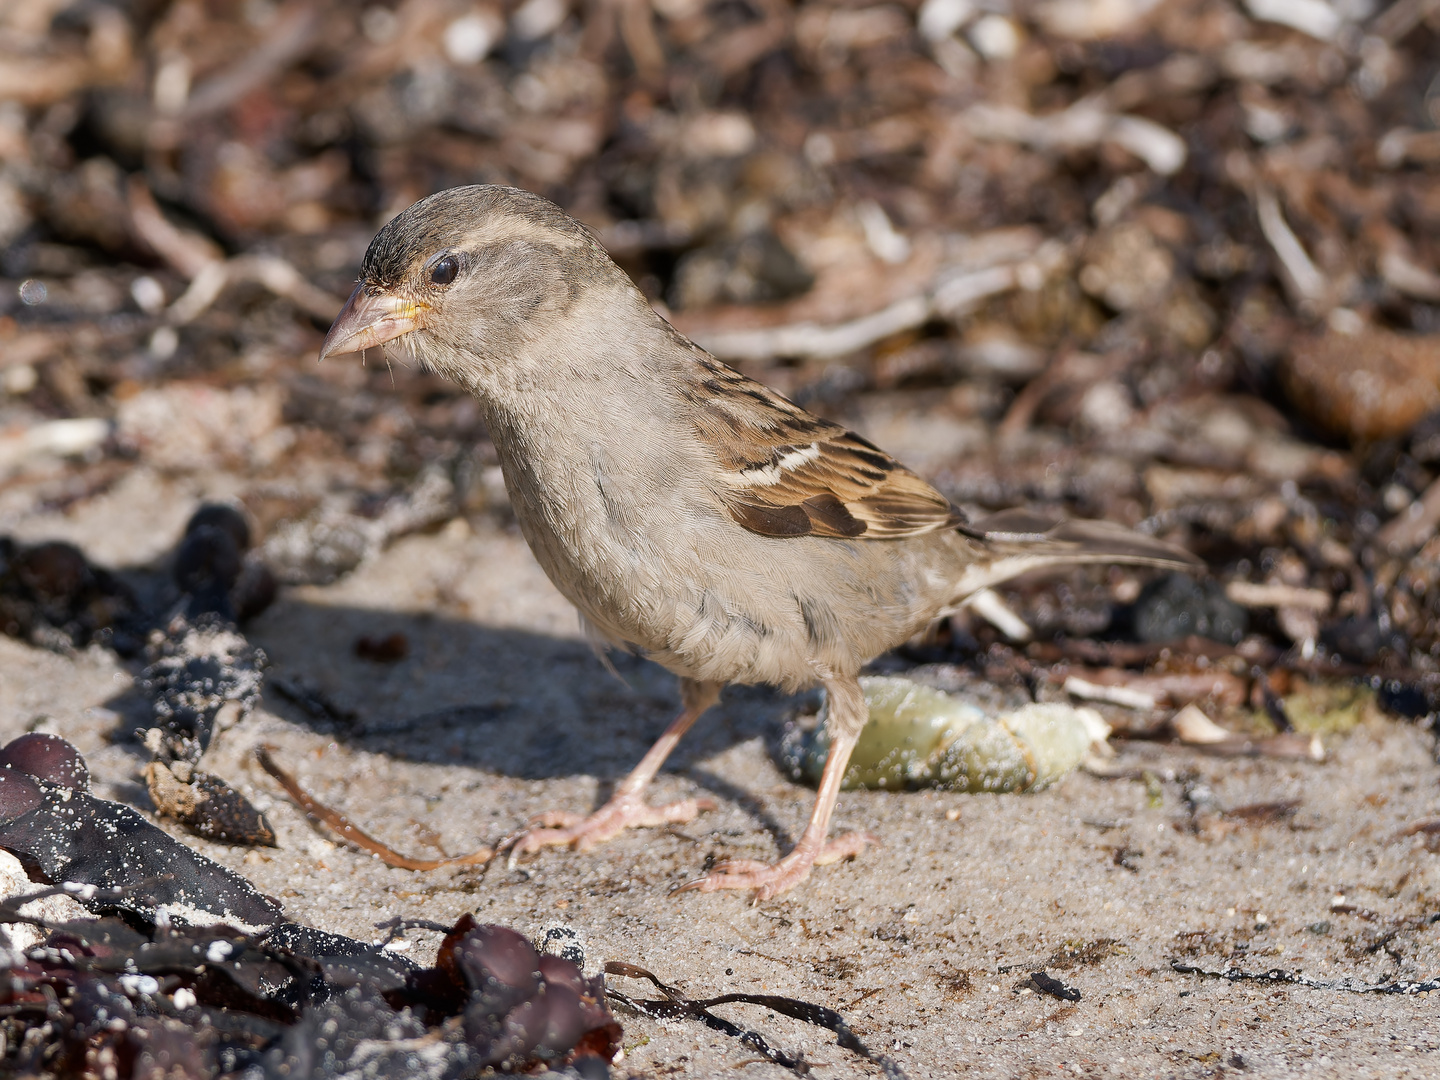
x,y
503,701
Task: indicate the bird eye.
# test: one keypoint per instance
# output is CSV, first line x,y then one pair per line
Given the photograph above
x,y
444,271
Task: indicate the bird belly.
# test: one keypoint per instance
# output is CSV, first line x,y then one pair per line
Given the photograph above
x,y
733,607
657,566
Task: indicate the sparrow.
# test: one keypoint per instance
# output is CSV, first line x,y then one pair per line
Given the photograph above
x,y
691,514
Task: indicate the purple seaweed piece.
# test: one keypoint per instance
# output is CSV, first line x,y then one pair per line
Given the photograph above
x,y
47,757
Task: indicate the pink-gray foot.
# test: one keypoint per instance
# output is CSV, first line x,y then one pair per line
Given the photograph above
x,y
767,880
582,832
626,809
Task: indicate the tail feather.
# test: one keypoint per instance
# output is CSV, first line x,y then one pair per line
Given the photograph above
x,y
1019,541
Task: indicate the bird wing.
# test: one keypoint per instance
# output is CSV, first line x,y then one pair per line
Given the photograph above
x,y
783,472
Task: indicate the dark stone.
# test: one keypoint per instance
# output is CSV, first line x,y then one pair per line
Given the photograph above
x,y
1177,606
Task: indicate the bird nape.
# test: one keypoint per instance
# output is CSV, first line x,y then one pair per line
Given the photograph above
x,y
691,514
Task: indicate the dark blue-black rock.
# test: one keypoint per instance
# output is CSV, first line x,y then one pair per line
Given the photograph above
x,y
1177,606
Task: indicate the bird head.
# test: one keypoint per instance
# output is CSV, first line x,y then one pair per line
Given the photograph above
x,y
466,277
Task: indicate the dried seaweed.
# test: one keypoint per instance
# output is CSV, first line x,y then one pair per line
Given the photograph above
x,y
1280,975
299,1002
185,958
351,833
676,1006
1048,984
63,833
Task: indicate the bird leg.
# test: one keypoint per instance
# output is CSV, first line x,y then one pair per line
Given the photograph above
x,y
626,809
846,717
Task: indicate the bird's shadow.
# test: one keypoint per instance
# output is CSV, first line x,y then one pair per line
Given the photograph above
x,y
746,801
502,700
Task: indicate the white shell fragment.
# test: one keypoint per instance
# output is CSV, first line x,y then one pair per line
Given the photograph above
x,y
921,737
938,19
1114,695
51,438
1314,17
470,38
1193,726
989,606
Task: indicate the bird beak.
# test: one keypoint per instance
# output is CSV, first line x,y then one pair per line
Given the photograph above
x,y
370,319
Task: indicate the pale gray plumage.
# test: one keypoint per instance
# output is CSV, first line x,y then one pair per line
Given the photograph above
x,y
688,512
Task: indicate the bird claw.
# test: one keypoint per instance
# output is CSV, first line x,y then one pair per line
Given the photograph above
x,y
559,828
766,880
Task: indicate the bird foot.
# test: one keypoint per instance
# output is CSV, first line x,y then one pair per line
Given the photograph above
x,y
769,880
583,832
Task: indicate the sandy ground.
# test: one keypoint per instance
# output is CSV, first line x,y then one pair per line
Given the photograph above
x,y
501,711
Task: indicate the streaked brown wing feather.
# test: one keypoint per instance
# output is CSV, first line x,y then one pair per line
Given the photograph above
x,y
784,472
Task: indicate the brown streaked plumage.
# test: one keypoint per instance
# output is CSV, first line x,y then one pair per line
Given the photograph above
x,y
787,473
688,512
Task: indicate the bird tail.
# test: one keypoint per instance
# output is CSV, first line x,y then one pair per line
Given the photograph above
x,y
1018,541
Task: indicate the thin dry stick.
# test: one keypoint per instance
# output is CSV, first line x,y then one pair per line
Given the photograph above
x,y
1304,278
352,833
1410,528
